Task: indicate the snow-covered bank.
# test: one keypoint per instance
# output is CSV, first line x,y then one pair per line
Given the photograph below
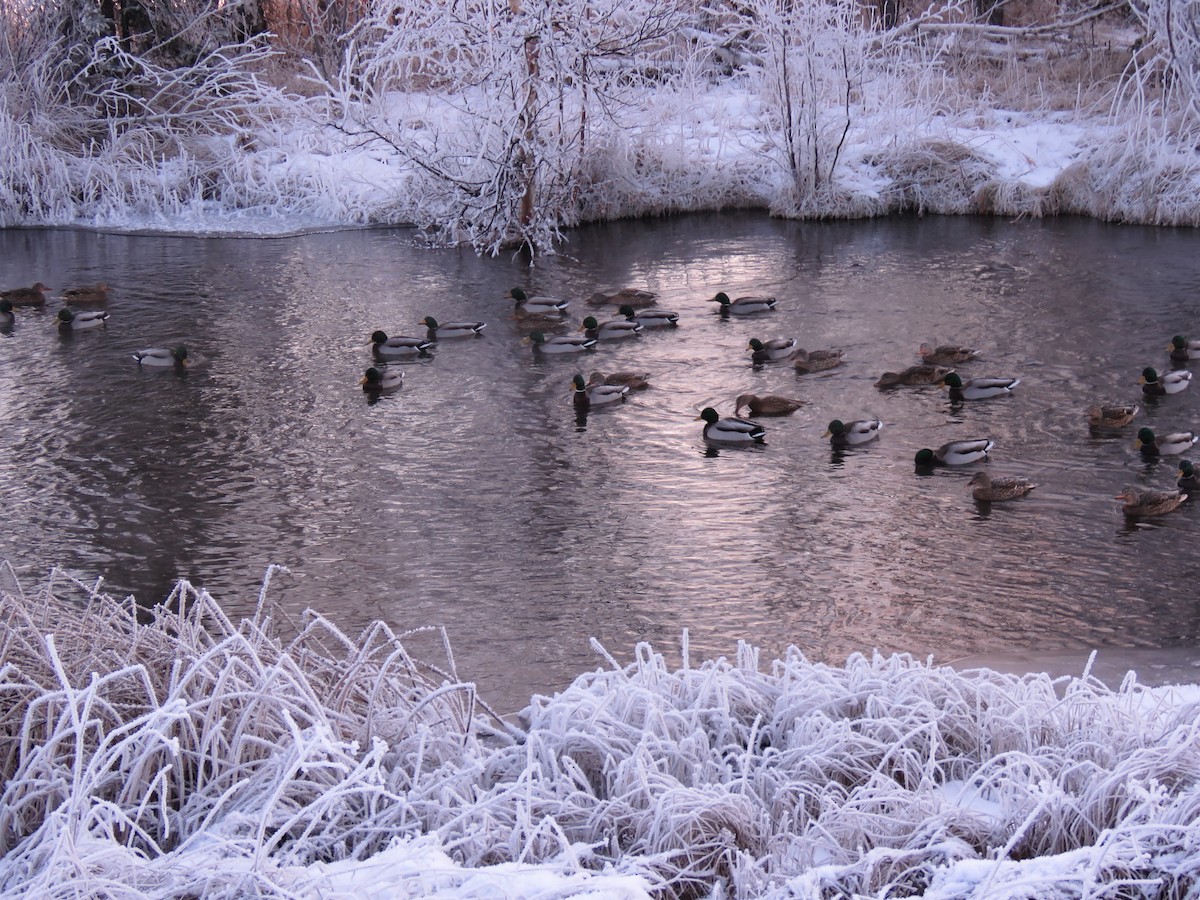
x,y
194,756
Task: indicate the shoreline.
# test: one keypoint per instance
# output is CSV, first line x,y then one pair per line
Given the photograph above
x,y
1152,667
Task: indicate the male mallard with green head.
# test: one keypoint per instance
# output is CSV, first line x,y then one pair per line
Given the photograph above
x,y
955,453
846,434
161,357
771,350
399,346
375,379
730,430
1181,349
586,396
1188,482
650,318
1155,385
545,307
611,330
1168,445
742,306
978,388
69,320
560,343
436,331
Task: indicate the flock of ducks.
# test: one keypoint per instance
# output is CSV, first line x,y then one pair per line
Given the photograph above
x,y
638,311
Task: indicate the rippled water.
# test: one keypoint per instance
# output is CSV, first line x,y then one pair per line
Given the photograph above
x,y
472,499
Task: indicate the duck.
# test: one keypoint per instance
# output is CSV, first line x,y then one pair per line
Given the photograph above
x,y
26,296
1187,479
1181,349
537,306
1156,385
610,331
92,293
440,332
730,430
6,313
586,397
162,356
805,362
766,405
650,318
381,379
947,354
978,388
69,320
845,434
914,375
1104,415
635,381
772,350
1168,445
1147,502
956,453
393,347
743,306
634,297
987,489
560,343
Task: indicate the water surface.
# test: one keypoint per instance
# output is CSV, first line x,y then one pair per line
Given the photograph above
x,y
473,499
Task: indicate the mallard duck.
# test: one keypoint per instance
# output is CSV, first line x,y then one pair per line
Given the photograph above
x,y
730,430
743,306
162,356
560,343
1110,416
537,306
394,347
1167,445
947,354
635,381
1156,385
624,297
766,405
69,320
987,489
447,330
845,434
650,318
772,350
806,362
1188,481
956,453
1146,502
26,296
381,379
596,395
914,375
92,293
978,388
1181,349
610,331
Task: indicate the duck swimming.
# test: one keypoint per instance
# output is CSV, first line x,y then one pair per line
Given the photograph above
x,y
766,405
956,453
537,306
947,354
436,331
624,297
26,296
1110,416
1181,349
635,381
1156,385
978,388
381,379
395,347
806,362
162,356
610,331
6,313
92,293
560,343
772,350
845,434
987,489
650,318
743,306
69,320
1167,445
914,375
730,430
1188,482
586,397
1146,502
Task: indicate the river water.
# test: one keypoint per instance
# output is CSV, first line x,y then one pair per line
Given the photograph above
x,y
473,499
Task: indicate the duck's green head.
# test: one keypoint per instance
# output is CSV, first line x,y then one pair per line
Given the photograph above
x,y
722,298
6,306
755,344
952,380
1179,342
837,426
371,377
180,354
580,384
429,322
1145,436
537,338
518,295
590,322
1186,469
709,415
65,316
378,337
627,311
925,457
1149,375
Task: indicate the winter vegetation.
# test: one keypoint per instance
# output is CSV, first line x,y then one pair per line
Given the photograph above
x,y
176,753
501,122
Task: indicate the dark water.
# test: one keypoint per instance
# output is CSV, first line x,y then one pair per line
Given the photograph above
x,y
472,499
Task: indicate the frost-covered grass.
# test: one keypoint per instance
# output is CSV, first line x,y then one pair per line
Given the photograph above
x,y
177,753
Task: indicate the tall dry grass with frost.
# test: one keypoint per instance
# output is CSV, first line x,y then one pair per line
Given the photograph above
x,y
189,755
